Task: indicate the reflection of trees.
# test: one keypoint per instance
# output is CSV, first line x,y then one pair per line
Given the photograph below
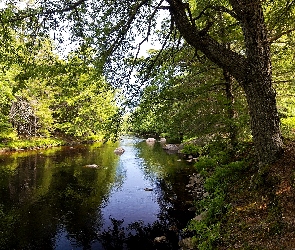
x,y
138,236
43,196
161,164
47,193
169,177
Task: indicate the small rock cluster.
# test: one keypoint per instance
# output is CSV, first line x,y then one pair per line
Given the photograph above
x,y
150,140
189,158
91,166
171,147
198,192
196,187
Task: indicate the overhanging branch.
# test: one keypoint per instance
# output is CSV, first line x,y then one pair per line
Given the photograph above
x,y
225,58
279,35
31,12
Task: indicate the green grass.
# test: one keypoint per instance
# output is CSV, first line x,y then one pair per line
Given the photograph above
x,y
31,143
221,170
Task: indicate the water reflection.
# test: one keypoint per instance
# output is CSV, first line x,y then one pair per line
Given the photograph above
x,y
49,200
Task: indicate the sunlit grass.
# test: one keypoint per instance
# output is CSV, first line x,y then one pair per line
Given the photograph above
x,y
288,127
31,143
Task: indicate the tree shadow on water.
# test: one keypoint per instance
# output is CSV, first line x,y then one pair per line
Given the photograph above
x,y
139,236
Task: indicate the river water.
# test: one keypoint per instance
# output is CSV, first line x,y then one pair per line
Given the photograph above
x,y
50,200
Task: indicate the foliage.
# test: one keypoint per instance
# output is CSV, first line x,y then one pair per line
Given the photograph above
x,y
218,33
191,103
283,65
84,106
6,98
220,172
191,149
288,126
16,144
42,94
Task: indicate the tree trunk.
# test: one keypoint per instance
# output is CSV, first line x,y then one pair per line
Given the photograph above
x,y
265,123
257,82
252,71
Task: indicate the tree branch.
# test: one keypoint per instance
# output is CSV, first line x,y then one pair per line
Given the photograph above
x,y
217,53
33,12
217,8
72,6
149,29
125,28
279,35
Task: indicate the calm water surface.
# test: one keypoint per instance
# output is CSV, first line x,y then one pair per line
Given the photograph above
x,y
50,200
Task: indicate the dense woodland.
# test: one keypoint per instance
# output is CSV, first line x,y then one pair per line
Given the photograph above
x,y
223,76
44,95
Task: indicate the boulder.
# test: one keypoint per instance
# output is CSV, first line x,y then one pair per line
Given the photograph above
x,y
119,151
91,166
200,216
171,147
150,140
161,239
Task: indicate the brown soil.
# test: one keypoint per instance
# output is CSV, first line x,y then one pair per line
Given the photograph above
x,y
263,208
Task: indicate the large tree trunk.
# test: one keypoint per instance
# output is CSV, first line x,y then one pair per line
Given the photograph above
x,y
265,123
252,71
257,82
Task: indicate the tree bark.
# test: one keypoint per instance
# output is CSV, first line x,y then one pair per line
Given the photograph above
x,y
252,70
257,82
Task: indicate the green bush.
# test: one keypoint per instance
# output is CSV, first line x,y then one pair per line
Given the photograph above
x,y
288,127
220,173
191,149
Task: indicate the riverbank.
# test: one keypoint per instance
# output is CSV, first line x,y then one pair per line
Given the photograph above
x,y
262,214
246,208
36,143
242,208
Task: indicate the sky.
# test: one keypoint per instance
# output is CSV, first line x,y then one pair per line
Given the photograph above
x,y
67,46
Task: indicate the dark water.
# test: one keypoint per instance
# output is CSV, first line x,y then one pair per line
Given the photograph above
x,y
50,200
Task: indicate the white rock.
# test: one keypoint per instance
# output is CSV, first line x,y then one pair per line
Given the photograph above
x,y
119,151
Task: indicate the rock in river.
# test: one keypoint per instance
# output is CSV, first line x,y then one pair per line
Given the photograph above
x,y
91,166
171,147
150,140
119,151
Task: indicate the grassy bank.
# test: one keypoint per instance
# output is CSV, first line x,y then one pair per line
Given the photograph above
x,y
247,208
15,144
31,143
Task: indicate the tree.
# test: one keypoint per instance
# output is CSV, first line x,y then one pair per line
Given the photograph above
x,y
42,94
196,102
252,70
250,66
84,102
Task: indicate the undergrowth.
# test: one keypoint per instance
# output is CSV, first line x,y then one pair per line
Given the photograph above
x,y
221,169
31,143
249,206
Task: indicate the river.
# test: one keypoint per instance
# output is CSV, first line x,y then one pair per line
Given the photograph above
x,y
50,200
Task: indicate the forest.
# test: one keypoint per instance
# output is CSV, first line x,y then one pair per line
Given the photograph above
x,y
44,95
218,76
